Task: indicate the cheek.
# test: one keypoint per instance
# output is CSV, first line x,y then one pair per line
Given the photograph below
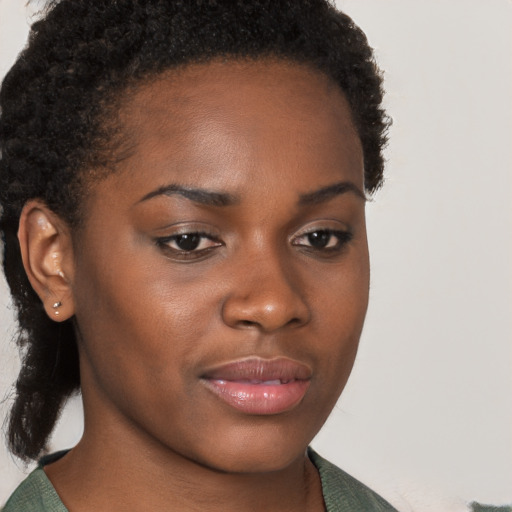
x,y
340,293
139,342
141,311
340,313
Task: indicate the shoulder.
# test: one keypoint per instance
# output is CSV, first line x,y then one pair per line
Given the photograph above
x,y
35,494
478,507
343,493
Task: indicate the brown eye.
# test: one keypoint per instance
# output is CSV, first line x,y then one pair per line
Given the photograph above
x,y
319,239
327,240
188,242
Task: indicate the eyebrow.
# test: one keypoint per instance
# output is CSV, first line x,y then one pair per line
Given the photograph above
x,y
329,192
211,198
197,195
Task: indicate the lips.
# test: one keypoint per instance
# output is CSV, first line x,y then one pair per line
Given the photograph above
x,y
260,386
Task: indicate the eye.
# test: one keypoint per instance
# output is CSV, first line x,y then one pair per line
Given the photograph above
x,y
188,245
327,240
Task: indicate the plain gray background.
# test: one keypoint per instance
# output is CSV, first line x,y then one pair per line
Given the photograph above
x,y
426,418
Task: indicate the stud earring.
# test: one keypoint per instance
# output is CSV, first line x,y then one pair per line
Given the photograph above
x,y
56,306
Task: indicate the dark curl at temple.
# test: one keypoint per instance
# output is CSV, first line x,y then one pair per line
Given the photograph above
x,y
59,106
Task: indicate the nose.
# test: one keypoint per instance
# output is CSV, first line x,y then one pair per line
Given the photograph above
x,y
265,296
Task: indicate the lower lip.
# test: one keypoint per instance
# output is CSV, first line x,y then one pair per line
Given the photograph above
x,y
259,399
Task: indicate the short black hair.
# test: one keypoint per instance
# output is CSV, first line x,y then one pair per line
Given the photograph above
x,y
58,103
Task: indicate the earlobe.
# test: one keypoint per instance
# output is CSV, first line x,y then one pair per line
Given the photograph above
x,y
46,249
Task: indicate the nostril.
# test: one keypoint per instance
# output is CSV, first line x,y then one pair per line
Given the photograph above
x,y
247,323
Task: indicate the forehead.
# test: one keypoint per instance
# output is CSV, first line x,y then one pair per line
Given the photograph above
x,y
230,121
236,83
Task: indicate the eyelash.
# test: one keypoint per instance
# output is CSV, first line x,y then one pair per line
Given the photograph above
x,y
343,238
164,243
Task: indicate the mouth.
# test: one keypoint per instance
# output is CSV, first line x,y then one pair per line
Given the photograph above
x,y
260,386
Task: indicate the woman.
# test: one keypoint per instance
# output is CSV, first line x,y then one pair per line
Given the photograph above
x,y
183,189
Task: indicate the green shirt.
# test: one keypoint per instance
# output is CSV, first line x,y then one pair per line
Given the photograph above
x,y
342,493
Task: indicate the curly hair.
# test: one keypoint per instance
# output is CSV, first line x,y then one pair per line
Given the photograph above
x,y
58,110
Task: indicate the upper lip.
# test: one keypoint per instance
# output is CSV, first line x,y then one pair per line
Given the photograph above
x,y
260,369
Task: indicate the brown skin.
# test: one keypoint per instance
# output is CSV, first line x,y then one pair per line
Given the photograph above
x,y
153,319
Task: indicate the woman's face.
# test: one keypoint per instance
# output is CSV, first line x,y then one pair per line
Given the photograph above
x,y
221,276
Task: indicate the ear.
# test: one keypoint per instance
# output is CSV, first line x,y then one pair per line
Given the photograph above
x,y
47,253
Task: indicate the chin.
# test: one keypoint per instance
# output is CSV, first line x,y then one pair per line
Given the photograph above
x,y
250,461
259,449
